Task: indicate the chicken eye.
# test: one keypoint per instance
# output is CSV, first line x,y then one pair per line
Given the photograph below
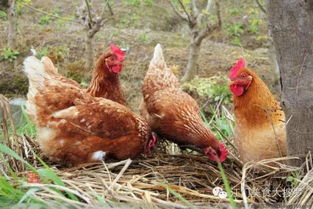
x,y
243,75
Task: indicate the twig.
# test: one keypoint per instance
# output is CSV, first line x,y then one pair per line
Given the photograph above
x,y
109,7
218,14
208,6
89,14
194,8
260,6
243,191
185,10
48,13
181,15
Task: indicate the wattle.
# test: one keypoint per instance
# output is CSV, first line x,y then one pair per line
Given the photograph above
x,y
237,90
116,68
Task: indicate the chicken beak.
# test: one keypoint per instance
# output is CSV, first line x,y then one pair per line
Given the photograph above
x,y
231,83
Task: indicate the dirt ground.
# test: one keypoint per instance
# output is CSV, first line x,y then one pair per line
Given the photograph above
x,y
64,42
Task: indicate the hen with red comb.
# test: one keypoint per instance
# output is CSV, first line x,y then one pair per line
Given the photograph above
x,y
173,114
260,129
119,58
105,81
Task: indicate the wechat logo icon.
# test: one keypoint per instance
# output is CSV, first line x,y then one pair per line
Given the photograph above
x,y
219,192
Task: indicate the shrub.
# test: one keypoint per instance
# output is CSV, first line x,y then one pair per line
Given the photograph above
x,y
9,54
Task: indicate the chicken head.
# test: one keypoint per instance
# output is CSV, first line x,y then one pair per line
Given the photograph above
x,y
150,143
113,61
218,155
240,78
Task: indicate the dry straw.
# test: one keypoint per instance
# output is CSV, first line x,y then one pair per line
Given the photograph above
x,y
165,180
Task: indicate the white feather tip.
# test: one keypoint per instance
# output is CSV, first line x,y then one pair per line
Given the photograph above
x,y
34,53
158,58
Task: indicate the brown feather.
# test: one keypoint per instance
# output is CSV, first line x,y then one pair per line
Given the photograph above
x,y
260,126
171,112
72,125
105,83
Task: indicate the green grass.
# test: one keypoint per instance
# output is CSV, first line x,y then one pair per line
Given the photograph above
x,y
220,120
227,186
13,188
19,193
9,54
25,125
218,123
179,197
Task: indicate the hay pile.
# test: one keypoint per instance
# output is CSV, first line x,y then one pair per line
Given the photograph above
x,y
168,181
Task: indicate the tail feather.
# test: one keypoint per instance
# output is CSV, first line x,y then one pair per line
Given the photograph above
x,y
48,65
158,58
36,74
34,69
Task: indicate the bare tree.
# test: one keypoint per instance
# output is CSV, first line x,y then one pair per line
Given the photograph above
x,y
12,23
200,27
92,24
291,27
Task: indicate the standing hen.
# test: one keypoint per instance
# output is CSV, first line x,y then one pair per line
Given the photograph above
x,y
75,127
174,114
260,128
105,82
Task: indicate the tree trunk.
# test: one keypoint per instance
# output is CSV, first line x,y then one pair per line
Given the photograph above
x,y
218,14
194,49
291,26
89,52
12,24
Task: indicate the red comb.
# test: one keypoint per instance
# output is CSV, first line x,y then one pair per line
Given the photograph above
x,y
118,52
224,152
241,63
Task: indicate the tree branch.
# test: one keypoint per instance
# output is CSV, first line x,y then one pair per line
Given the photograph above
x,y
218,14
110,10
185,10
12,23
260,6
194,8
109,7
208,6
205,32
178,13
48,13
96,26
203,17
89,14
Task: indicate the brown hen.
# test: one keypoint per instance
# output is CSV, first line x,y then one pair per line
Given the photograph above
x,y
260,121
105,81
174,114
75,127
